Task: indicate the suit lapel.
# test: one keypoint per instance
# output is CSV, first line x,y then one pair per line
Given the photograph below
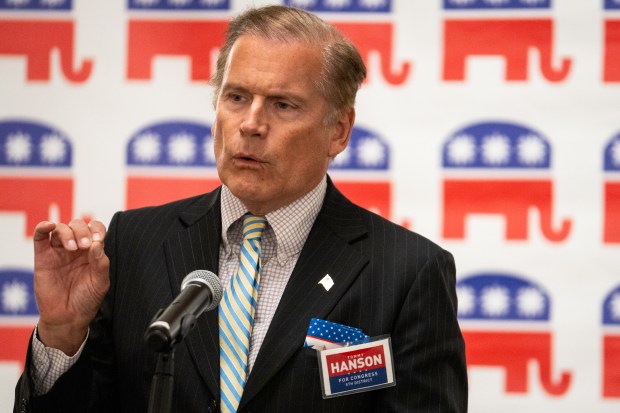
x,y
196,246
329,249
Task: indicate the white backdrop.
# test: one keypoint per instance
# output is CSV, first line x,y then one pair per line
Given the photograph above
x,y
490,126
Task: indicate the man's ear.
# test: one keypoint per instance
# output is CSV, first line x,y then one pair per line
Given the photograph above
x,y
341,132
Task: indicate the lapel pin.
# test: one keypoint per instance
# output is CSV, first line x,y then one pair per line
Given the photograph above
x,y
327,282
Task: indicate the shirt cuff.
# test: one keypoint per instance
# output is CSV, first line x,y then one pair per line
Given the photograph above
x,y
48,364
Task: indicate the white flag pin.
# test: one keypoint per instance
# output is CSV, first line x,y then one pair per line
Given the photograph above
x,y
327,282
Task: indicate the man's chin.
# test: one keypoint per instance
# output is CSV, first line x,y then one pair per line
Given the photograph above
x,y
247,191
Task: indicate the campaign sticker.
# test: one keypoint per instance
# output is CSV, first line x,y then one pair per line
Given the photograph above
x,y
357,368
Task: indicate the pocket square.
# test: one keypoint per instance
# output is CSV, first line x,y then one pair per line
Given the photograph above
x,y
323,334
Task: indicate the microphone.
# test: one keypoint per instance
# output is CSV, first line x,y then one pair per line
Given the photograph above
x,y
201,291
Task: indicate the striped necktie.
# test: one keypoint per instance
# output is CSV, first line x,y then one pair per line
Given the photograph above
x,y
236,315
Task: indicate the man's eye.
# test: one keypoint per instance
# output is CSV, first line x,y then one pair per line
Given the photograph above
x,y
283,105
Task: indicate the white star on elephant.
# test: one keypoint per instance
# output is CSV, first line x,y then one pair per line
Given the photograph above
x,y
495,301
52,149
496,149
531,150
18,147
147,147
530,302
14,297
462,150
182,148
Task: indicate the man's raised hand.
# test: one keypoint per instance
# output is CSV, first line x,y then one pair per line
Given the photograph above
x,y
71,277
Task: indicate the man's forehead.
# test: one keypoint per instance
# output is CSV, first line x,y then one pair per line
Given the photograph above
x,y
291,44
282,64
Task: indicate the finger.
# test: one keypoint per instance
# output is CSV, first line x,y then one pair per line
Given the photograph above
x,y
41,235
63,236
42,231
81,233
97,230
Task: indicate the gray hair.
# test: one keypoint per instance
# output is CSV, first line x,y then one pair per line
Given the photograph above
x,y
343,68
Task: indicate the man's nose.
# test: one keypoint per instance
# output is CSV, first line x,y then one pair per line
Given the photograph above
x,y
255,120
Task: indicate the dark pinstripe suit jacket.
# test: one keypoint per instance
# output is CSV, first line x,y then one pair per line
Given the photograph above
x,y
387,281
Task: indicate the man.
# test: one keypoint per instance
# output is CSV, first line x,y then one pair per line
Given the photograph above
x,y
285,91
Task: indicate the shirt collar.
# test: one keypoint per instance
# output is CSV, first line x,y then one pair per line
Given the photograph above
x,y
291,223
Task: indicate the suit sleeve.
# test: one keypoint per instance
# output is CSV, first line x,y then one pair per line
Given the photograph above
x,y
69,394
429,351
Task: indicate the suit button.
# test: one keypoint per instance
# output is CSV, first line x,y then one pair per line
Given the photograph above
x,y
212,406
23,405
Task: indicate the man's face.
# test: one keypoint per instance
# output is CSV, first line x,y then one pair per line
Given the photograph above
x,y
271,143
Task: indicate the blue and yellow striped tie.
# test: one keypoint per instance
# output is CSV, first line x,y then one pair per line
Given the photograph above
x,y
236,315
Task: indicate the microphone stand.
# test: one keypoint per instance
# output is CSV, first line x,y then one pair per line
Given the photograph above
x,y
162,383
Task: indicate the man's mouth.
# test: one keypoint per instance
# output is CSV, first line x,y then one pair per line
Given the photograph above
x,y
247,158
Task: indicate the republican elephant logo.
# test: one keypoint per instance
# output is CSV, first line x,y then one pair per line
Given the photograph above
x,y
18,314
499,169
611,231
369,37
198,40
195,39
377,38
36,176
169,160
35,40
505,323
611,344
510,39
361,172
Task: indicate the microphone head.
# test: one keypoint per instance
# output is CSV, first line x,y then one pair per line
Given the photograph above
x,y
210,280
